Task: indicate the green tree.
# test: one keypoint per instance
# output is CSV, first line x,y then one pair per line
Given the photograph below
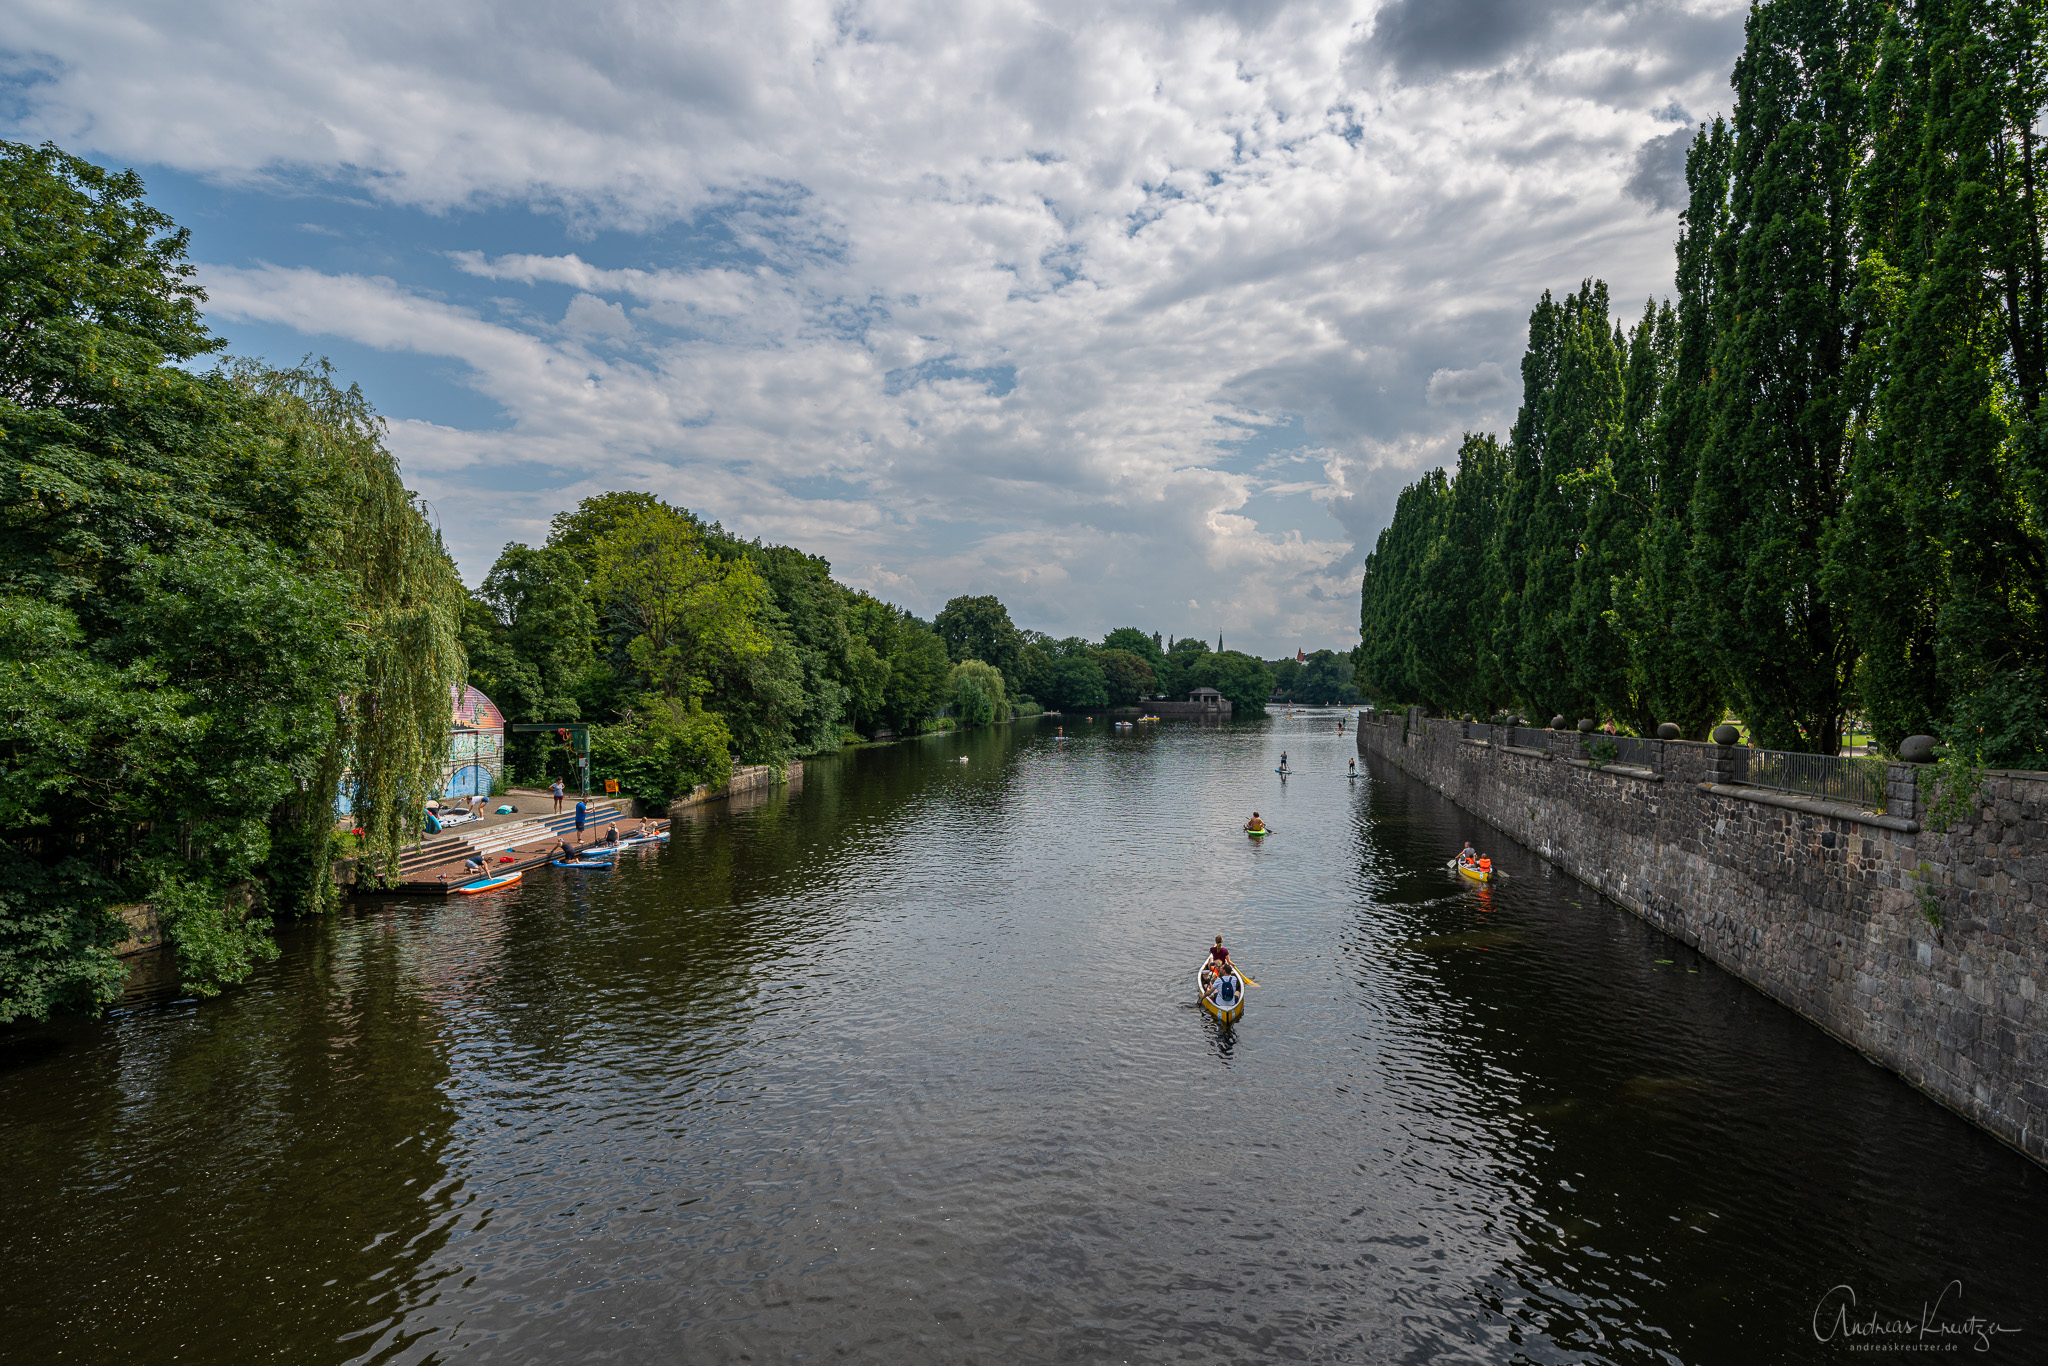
x,y
1076,681
1771,485
1948,605
389,737
1450,649
1571,411
1239,677
1131,640
1673,667
1126,676
1390,594
661,748
208,585
686,612
918,674
578,530
1323,679
977,694
979,628
538,639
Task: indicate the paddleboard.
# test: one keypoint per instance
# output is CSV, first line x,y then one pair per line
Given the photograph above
x,y
582,863
487,884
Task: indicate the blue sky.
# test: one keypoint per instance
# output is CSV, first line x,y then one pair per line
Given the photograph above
x,y
1138,314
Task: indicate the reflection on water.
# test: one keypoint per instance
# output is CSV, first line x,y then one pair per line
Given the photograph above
x,y
907,1066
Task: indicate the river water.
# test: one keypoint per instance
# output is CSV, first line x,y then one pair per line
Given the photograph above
x,y
906,1066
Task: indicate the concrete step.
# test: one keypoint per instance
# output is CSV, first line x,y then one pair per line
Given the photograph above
x,y
458,840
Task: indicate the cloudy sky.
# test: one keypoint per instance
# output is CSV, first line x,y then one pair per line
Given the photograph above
x,y
1129,313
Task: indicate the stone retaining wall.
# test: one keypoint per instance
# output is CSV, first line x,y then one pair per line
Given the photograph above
x,y
745,778
1827,908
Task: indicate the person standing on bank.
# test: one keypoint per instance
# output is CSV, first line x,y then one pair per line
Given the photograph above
x,y
556,790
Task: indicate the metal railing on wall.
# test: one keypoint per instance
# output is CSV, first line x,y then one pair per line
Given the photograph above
x,y
1853,779
1620,749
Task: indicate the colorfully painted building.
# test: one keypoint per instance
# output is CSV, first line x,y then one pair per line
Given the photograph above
x,y
476,745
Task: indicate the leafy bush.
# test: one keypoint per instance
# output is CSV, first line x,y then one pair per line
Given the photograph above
x,y
662,748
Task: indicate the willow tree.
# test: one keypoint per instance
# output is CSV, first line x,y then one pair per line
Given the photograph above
x,y
212,589
389,744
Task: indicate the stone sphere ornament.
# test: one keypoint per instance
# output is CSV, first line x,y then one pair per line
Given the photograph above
x,y
1668,731
1557,723
1725,734
1917,749
1586,725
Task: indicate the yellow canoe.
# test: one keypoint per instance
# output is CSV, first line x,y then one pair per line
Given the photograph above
x,y
1481,871
1224,1014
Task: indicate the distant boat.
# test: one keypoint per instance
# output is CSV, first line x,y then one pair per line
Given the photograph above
x,y
1479,871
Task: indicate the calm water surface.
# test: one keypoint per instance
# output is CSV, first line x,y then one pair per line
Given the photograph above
x,y
907,1067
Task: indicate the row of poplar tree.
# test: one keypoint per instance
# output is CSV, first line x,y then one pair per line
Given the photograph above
x,y
1811,486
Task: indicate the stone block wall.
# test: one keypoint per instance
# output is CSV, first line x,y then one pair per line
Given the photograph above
x,y
1925,950
745,778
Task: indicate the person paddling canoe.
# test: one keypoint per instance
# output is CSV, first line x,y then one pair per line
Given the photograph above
x,y
1220,966
1219,957
1255,826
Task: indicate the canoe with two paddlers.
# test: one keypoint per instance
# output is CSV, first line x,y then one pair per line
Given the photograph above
x,y
1222,998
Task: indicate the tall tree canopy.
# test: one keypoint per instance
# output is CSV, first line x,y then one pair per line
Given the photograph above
x,y
217,605
1815,484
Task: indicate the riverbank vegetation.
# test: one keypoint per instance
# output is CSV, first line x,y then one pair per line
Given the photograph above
x,y
657,626
1815,481
224,620
218,607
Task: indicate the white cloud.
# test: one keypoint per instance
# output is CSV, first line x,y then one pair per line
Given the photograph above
x,y
592,316
999,271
